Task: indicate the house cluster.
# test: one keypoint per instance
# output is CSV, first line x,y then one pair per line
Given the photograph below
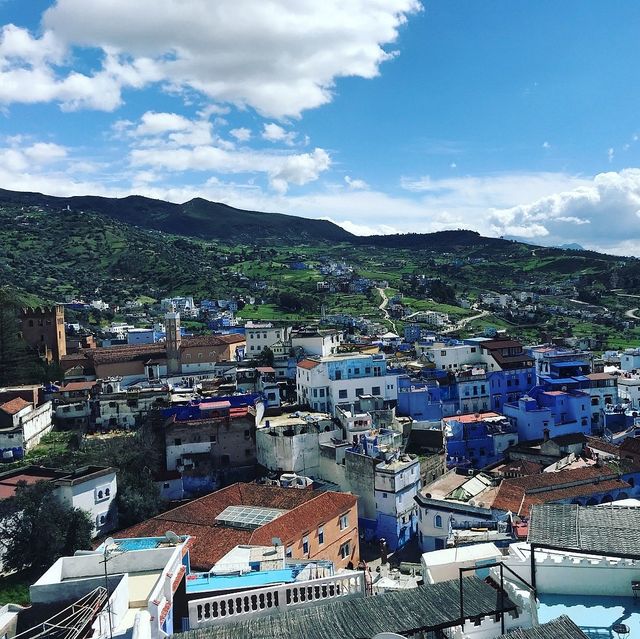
x,y
296,453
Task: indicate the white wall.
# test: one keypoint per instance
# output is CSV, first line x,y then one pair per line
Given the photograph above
x,y
86,496
36,424
563,573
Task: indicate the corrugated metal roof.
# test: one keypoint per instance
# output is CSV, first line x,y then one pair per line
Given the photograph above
x,y
610,530
425,608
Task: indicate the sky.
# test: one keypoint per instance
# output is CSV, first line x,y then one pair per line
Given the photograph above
x,y
509,117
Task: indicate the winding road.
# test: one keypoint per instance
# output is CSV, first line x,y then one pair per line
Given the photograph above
x,y
383,308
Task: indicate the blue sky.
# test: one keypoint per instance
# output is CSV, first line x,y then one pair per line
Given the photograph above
x,y
509,117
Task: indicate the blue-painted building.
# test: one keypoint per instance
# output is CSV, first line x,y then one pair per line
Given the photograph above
x,y
477,440
558,412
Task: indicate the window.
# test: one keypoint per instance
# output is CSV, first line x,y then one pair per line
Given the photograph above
x,y
289,552
338,375
367,370
345,550
437,521
177,442
321,535
166,484
384,495
305,545
213,439
375,390
342,394
247,434
359,391
107,492
322,392
344,521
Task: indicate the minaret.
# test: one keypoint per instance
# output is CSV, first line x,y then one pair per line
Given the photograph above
x,y
172,328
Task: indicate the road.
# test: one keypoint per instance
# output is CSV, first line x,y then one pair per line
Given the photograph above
x,y
383,308
464,321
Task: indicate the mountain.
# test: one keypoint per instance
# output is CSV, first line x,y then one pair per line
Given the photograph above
x,y
195,218
572,246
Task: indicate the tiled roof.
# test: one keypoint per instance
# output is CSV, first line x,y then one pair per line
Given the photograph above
x,y
136,352
594,443
522,466
598,530
212,340
630,445
600,376
198,519
308,364
77,386
560,628
305,517
520,493
14,406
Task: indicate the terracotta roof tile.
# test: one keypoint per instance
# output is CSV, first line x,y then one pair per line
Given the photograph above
x,y
308,364
305,518
14,406
211,340
630,445
197,518
518,494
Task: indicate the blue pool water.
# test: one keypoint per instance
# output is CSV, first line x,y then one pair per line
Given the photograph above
x,y
141,543
203,582
594,615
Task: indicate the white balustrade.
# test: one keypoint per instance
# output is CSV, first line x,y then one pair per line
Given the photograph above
x,y
264,601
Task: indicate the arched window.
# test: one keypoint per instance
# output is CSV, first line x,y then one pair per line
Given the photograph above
x,y
437,521
107,492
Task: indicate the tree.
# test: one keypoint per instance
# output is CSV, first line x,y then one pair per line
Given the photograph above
x,y
266,357
36,528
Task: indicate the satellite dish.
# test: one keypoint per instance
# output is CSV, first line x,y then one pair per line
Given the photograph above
x,y
260,409
172,538
109,541
276,541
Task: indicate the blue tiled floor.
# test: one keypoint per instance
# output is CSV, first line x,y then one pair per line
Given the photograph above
x,y
594,615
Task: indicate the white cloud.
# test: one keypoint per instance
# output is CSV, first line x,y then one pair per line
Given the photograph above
x,y
546,145
611,154
45,152
279,57
275,133
153,123
355,183
281,170
241,134
603,213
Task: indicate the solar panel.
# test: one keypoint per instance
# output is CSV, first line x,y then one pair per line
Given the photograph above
x,y
250,517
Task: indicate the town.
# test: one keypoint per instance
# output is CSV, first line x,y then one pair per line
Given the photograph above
x,y
243,478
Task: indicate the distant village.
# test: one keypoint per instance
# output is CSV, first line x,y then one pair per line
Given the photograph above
x,y
307,469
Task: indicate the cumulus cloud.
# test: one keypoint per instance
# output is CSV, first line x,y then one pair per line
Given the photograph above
x,y
242,134
355,183
279,57
585,214
30,73
275,133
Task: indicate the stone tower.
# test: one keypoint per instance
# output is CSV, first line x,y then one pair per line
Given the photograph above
x,y
174,339
43,329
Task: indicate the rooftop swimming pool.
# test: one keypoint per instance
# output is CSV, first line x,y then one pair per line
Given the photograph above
x,y
205,582
595,616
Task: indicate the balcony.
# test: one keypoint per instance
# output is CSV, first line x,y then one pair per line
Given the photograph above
x,y
234,607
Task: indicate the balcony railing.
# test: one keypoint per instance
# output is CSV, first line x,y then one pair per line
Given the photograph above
x,y
274,599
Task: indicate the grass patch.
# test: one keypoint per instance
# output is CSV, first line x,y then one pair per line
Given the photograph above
x,y
14,588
